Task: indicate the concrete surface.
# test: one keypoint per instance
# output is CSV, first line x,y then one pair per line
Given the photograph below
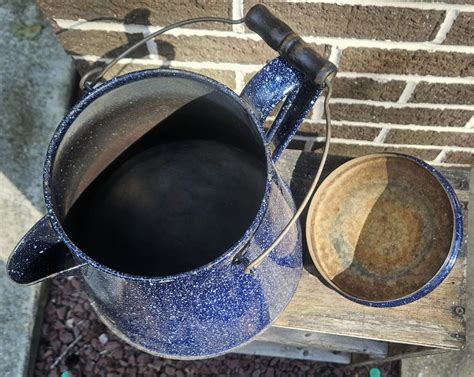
x,y
442,365
35,83
454,363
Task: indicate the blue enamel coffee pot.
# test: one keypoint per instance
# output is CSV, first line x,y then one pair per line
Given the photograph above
x,y
211,184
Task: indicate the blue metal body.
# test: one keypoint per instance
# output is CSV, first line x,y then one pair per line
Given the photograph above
x,y
215,308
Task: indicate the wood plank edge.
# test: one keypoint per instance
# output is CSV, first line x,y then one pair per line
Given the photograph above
x,y
304,338
362,360
455,345
269,349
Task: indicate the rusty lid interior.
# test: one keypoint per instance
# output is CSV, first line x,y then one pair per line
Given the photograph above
x,y
379,227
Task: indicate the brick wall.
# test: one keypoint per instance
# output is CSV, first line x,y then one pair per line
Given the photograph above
x,y
406,68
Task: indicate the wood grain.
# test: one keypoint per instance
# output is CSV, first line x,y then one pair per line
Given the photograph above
x,y
260,348
432,321
298,338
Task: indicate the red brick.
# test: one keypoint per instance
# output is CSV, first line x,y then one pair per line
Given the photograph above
x,y
462,31
374,60
215,49
345,131
364,88
100,43
225,77
181,48
421,116
398,136
443,93
144,12
459,158
367,22
218,49
351,150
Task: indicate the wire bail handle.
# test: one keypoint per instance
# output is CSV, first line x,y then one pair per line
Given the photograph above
x,y
257,261
280,37
100,72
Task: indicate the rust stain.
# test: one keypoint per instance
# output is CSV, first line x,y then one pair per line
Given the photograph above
x,y
379,227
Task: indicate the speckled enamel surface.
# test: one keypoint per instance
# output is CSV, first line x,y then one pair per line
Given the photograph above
x,y
213,309
271,85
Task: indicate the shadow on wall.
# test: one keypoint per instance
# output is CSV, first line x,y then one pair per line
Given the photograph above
x,y
166,50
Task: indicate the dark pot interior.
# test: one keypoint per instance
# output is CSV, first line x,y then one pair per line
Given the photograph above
x,y
159,176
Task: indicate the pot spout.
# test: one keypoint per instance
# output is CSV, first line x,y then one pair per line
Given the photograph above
x,y
40,255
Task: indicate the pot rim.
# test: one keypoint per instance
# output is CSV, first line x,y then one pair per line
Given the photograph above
x,y
109,86
454,248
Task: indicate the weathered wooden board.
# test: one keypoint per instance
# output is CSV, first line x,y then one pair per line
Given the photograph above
x,y
436,320
303,353
298,338
403,351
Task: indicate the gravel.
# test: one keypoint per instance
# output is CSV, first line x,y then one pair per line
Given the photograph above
x,y
97,352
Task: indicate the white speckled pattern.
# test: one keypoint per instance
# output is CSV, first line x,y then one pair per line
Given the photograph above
x,y
215,308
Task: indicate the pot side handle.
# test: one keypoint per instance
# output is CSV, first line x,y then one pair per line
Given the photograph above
x,y
299,75
40,255
268,88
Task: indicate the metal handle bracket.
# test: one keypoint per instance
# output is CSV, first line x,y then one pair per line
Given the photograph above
x,y
257,261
